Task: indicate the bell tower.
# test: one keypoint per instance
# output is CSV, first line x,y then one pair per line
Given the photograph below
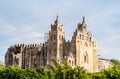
x,y
55,42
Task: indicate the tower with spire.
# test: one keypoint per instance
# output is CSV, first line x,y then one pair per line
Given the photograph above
x,y
55,42
84,48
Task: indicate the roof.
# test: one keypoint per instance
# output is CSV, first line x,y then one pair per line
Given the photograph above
x,y
104,59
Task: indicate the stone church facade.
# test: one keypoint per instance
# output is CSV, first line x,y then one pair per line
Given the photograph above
x,y
81,50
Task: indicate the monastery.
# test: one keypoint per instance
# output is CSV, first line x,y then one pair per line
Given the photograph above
x,y
81,50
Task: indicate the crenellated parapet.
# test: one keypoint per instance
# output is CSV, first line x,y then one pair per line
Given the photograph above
x,y
18,48
27,45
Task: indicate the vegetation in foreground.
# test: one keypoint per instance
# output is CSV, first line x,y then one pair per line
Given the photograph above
x,y
58,72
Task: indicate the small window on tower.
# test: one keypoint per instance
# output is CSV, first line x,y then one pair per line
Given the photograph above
x,y
90,39
85,58
52,37
84,27
80,36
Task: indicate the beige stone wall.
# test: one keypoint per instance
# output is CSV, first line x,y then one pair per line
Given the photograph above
x,y
95,60
104,64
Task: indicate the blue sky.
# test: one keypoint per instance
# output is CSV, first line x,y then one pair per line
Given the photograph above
x,y
26,21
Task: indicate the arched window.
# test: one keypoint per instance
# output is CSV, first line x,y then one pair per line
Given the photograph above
x,y
90,39
69,62
52,37
80,36
85,58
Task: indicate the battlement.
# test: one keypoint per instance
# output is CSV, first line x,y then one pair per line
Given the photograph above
x,y
27,45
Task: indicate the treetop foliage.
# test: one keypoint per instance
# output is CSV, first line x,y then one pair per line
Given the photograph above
x,y
115,63
57,72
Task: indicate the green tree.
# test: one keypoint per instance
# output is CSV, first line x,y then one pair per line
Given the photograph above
x,y
115,63
80,73
112,73
31,74
67,72
12,73
2,68
97,75
41,73
57,70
